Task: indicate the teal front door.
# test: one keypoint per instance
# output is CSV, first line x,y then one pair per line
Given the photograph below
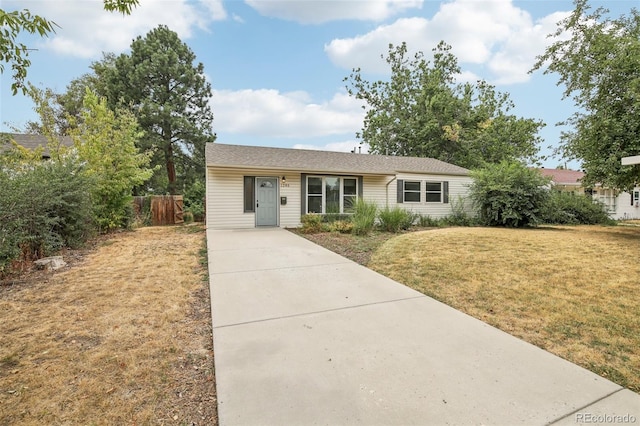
x,y
267,201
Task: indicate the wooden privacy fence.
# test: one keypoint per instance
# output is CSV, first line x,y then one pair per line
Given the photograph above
x,y
161,209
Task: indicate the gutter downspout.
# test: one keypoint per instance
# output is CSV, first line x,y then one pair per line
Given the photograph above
x,y
387,189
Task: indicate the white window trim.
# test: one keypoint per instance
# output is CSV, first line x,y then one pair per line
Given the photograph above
x,y
324,190
405,190
426,191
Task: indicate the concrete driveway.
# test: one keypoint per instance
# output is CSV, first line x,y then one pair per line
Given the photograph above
x,y
303,336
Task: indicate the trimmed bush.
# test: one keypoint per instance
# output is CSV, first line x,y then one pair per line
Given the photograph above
x,y
311,223
364,217
341,226
396,219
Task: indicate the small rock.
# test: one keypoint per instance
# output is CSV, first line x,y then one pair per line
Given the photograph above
x,y
50,263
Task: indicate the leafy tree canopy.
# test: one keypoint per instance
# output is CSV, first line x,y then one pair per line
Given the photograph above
x,y
421,111
16,54
599,65
106,143
170,96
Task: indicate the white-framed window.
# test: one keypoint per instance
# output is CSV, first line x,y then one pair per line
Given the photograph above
x,y
411,191
331,194
349,194
608,197
315,195
433,192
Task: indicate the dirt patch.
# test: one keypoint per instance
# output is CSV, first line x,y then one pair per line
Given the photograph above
x,y
121,335
354,247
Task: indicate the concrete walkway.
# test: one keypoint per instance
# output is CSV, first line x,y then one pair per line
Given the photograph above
x,y
303,336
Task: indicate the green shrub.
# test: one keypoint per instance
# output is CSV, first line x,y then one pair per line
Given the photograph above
x,y
567,209
427,221
188,217
194,200
311,223
342,226
396,219
509,194
459,215
45,206
364,217
332,217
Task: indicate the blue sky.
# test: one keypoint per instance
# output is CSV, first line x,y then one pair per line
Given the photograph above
x,y
276,67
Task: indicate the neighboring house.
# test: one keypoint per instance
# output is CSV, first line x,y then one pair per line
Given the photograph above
x,y
619,205
249,186
565,180
31,141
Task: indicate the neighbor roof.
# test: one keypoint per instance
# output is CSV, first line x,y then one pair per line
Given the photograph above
x,y
33,141
302,160
563,176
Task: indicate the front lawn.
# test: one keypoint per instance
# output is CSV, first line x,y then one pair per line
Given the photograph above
x,y
574,291
120,336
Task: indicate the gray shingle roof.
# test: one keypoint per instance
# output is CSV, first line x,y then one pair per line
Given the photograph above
x,y
32,141
302,160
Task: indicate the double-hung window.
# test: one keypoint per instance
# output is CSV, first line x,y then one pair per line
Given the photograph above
x,y
349,194
433,192
411,191
314,195
331,194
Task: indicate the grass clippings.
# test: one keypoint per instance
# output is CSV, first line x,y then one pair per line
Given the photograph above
x,y
574,291
121,336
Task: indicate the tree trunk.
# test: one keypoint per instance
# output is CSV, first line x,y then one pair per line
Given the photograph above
x,y
171,169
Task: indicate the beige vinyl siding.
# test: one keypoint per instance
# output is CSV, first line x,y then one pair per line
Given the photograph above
x,y
290,214
225,198
458,189
383,191
375,189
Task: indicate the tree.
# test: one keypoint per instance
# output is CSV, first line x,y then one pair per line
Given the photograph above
x,y
422,112
170,97
106,142
509,194
599,65
64,110
14,23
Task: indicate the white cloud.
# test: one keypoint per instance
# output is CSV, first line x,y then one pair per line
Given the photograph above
x,y
269,113
492,34
86,29
319,11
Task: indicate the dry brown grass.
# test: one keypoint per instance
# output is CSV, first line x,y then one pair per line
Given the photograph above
x,y
574,291
123,337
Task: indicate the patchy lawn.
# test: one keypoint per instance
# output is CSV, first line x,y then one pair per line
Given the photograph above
x,y
120,336
359,249
574,291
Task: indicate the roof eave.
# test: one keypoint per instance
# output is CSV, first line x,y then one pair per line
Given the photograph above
x,y
298,170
